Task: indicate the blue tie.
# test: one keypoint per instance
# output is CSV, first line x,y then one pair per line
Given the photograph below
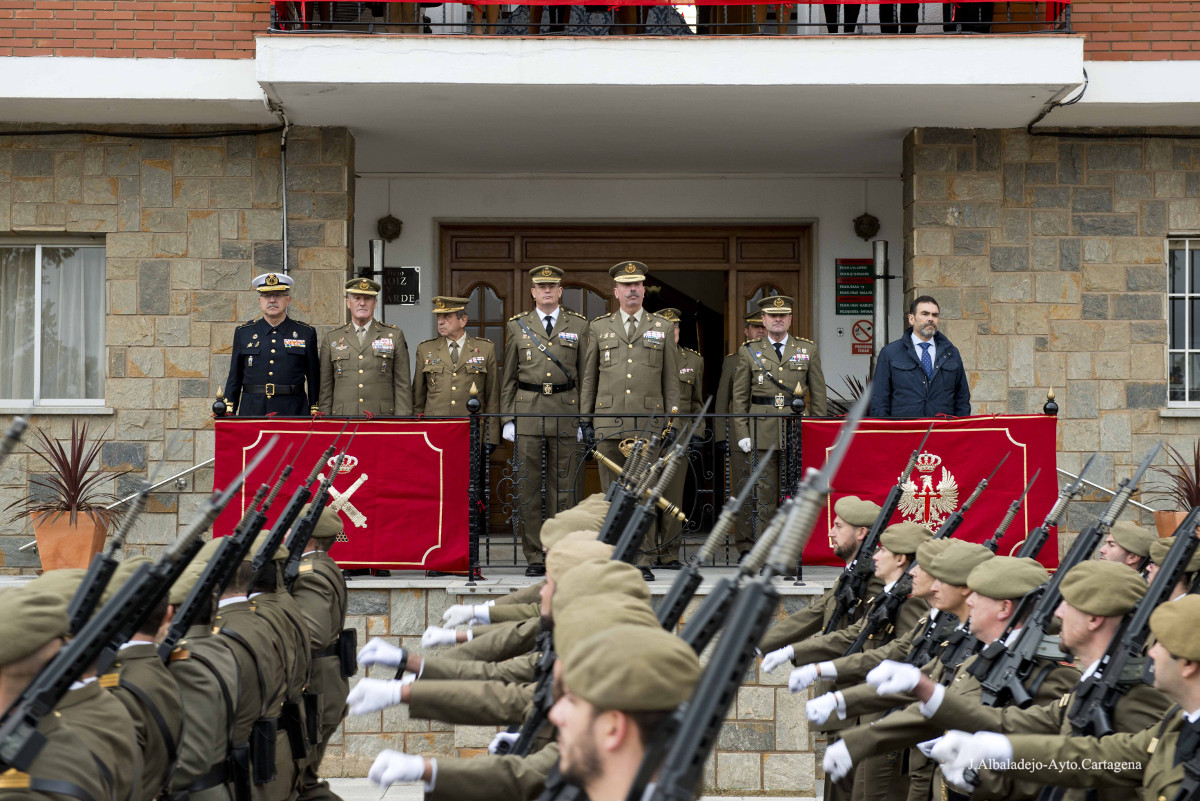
x,y
926,362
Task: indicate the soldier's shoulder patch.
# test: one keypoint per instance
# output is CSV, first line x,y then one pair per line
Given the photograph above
x,y
752,341
804,339
13,779
574,313
109,680
306,568
602,317
180,653
515,316
692,350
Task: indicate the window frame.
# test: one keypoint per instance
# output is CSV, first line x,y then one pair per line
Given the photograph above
x,y
37,402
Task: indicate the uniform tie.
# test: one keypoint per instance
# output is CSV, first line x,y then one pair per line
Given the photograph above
x,y
362,334
454,353
926,362
631,326
549,324
779,351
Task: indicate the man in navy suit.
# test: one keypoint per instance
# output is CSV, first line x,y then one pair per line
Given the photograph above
x,y
921,374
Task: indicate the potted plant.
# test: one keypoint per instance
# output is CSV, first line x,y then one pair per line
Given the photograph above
x,y
69,517
1181,489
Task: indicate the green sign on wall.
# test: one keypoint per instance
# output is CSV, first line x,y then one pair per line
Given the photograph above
x,y
855,287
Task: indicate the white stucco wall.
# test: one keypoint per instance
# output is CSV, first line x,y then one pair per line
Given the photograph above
x,y
830,204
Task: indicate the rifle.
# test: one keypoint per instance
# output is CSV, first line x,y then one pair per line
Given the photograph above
x,y
1037,538
302,530
12,437
20,740
103,565
675,756
1003,669
993,543
683,589
883,612
852,583
620,494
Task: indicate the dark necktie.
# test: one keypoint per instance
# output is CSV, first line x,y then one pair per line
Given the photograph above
x,y
549,324
926,362
1189,740
779,351
454,353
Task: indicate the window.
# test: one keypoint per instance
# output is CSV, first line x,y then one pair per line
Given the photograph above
x,y
52,324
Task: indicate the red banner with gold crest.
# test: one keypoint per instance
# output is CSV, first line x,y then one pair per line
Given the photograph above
x,y
959,453
401,492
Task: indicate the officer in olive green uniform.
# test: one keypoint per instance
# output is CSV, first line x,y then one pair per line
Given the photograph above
x,y
691,401
448,366
769,373
737,469
543,363
1151,760
1128,543
320,591
364,363
33,625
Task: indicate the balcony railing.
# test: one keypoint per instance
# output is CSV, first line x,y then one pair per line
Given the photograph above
x,y
652,18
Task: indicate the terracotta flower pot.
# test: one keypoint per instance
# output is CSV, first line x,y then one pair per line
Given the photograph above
x,y
61,544
1167,522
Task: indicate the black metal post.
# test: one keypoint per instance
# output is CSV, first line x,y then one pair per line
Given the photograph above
x,y
476,519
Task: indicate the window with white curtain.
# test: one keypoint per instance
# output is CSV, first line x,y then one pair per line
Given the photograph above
x,y
51,324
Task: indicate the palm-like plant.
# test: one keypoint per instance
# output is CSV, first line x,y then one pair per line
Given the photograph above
x,y
839,405
75,485
1182,485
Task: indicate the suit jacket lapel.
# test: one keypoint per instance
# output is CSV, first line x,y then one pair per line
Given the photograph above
x,y
352,338
537,325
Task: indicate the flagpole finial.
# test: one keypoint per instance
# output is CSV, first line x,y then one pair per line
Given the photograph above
x,y
1050,407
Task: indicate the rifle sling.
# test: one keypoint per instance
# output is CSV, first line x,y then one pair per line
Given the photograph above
x,y
163,729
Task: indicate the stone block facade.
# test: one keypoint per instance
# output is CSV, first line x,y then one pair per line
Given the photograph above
x,y
1048,255
765,747
186,223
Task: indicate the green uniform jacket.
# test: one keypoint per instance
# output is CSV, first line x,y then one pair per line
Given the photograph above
x,y
854,668
724,396
691,384
279,610
107,729
518,670
371,377
628,377
152,698
501,642
800,365
514,612
832,645
208,687
1142,706
320,592
1143,759
64,759
530,594
526,362
811,619
471,703
441,388
493,778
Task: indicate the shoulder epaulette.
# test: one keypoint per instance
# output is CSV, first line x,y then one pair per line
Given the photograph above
x,y
301,323
13,779
693,350
249,322
574,314
518,314
602,317
385,325
109,680
426,342
484,339
748,341
306,568
806,339
179,653
727,355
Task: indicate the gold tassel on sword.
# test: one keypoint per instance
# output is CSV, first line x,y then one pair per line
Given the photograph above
x,y
666,506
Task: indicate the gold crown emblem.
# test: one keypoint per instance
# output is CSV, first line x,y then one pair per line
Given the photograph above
x,y
271,279
364,284
439,304
547,271
629,268
927,462
778,302
348,464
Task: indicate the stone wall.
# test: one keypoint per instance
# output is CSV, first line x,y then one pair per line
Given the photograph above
x,y
765,747
1048,257
186,224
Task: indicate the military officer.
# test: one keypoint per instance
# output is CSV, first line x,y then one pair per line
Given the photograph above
x,y
274,367
691,400
449,365
738,467
364,364
631,370
770,372
543,362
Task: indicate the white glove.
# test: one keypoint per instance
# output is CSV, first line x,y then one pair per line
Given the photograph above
x,y
960,751
819,709
372,695
509,737
744,444
509,432
928,746
579,434
802,677
777,657
894,677
379,652
458,614
436,635
837,761
392,767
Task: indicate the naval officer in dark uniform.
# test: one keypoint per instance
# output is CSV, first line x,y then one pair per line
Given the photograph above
x,y
274,368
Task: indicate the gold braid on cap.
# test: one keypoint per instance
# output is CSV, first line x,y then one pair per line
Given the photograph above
x,y
271,279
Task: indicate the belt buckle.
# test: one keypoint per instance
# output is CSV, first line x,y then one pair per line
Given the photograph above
x,y
270,388
779,401
547,389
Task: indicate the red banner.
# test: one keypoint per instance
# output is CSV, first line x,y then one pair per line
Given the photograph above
x,y
401,492
958,455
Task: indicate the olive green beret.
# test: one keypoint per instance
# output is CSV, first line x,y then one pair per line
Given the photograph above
x,y
597,576
1099,587
261,540
593,502
953,565
928,551
122,574
632,669
64,581
1133,538
30,617
1158,552
1174,624
1007,578
905,537
329,524
856,511
569,553
600,612
183,585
